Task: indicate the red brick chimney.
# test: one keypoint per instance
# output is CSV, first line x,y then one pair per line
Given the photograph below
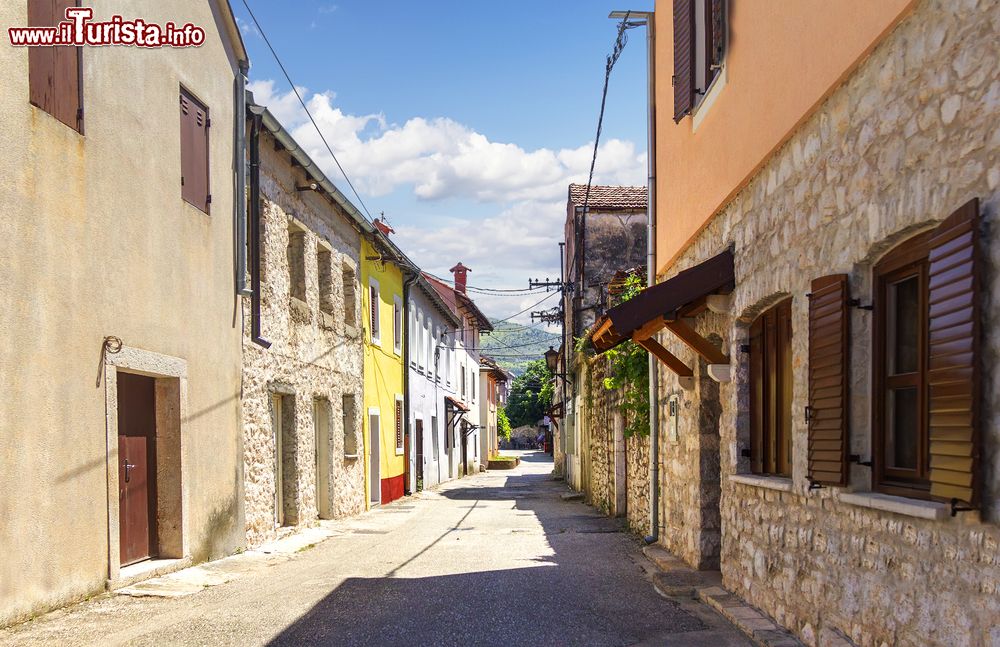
x,y
460,271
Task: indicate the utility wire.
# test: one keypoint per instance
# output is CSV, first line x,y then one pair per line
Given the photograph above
x,y
304,107
616,51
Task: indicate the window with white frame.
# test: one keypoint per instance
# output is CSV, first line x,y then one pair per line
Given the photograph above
x,y
374,311
397,324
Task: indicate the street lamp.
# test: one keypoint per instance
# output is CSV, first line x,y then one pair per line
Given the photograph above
x,y
552,362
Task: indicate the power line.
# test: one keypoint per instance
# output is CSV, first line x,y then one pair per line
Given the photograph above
x,y
484,290
304,107
616,51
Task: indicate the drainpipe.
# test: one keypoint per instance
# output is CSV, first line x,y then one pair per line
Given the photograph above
x,y
411,278
255,231
654,409
241,181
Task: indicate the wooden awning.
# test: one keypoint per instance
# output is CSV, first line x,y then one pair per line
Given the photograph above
x,y
664,305
457,405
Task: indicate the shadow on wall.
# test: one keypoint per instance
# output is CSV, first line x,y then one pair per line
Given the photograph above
x,y
547,604
222,533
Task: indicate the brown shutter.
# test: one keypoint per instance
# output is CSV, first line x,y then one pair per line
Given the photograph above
x,y
194,151
829,338
399,424
683,80
758,403
54,72
953,343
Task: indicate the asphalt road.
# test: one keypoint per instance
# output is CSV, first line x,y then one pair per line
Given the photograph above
x,y
494,559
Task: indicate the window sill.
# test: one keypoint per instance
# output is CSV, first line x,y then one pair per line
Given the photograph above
x,y
932,510
298,306
352,331
351,457
778,483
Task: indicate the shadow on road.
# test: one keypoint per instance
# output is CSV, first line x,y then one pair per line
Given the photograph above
x,y
586,590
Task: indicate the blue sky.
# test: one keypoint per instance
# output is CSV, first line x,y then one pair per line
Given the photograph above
x,y
462,121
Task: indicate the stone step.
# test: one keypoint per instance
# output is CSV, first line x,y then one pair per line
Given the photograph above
x,y
761,629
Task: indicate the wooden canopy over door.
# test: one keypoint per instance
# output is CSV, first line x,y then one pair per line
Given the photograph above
x,y
664,305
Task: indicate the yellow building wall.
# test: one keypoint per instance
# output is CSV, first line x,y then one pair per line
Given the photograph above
x,y
783,59
383,369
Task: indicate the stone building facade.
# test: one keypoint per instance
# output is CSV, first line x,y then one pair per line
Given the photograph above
x,y
302,395
904,139
618,483
610,237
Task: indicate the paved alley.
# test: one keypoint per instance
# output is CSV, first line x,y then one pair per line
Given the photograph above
x,y
495,559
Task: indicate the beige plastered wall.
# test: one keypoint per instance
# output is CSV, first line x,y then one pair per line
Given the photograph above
x,y
95,240
782,59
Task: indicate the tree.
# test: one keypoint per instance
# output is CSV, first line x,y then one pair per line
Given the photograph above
x,y
530,395
503,424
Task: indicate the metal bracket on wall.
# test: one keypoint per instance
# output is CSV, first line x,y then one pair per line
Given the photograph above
x,y
955,508
856,459
856,303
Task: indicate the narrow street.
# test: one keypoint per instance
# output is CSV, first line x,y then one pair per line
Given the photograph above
x,y
497,558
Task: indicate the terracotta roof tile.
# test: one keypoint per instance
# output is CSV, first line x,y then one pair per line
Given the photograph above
x,y
609,197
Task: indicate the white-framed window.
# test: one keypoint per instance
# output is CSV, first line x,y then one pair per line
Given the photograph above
x,y
374,311
399,425
411,328
397,324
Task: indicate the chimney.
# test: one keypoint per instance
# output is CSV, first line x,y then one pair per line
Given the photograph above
x,y
460,271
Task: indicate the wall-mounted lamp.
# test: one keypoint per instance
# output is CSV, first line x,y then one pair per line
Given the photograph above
x,y
312,186
552,362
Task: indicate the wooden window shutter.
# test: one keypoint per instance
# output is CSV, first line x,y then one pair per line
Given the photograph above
x,y
953,323
829,349
399,424
758,407
194,151
684,39
54,72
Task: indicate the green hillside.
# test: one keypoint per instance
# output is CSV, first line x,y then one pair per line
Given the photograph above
x,y
514,345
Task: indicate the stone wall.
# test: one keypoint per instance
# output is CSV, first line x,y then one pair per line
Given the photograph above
x,y
629,496
314,356
909,137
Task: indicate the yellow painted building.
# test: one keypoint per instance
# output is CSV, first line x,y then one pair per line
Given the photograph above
x,y
382,285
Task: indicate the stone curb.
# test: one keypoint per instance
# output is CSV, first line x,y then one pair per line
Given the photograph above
x,y
678,580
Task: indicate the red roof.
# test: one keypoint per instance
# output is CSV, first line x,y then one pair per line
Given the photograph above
x,y
609,197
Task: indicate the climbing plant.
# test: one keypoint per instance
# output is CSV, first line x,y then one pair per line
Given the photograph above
x,y
628,370
503,424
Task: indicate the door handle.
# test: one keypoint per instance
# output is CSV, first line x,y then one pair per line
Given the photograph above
x,y
128,468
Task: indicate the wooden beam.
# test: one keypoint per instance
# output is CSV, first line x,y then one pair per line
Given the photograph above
x,y
697,343
649,329
669,359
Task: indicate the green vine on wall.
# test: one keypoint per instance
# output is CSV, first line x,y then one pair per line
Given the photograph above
x,y
628,370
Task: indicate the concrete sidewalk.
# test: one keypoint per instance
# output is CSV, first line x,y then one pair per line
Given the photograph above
x,y
494,559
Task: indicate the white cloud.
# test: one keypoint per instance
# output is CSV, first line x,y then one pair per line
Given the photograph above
x,y
435,159
441,158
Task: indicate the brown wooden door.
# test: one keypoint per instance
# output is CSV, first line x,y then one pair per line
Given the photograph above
x,y
136,467
419,453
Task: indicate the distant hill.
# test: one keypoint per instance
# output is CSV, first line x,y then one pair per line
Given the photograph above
x,y
514,345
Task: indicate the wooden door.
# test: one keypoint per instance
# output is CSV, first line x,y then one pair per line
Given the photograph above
x,y
136,467
419,458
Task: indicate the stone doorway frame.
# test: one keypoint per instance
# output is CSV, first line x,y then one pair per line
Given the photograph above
x,y
171,402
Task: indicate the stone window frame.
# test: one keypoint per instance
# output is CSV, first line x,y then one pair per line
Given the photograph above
x,y
297,243
325,279
171,384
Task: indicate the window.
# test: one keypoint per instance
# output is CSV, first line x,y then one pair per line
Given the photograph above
x,y
194,151
901,370
324,269
399,425
374,308
349,279
295,252
435,443
411,328
771,391
462,371
700,28
397,325
54,73
349,415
